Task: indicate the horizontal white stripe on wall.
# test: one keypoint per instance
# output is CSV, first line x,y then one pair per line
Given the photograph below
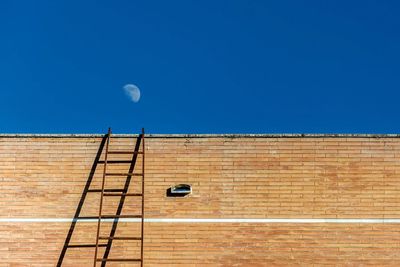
x,y
195,220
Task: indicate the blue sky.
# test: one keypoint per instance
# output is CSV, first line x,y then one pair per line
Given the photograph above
x,y
202,66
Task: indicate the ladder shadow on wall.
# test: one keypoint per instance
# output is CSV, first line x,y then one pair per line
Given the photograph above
x,y
87,189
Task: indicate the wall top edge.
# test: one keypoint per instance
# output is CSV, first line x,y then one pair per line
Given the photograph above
x,y
286,135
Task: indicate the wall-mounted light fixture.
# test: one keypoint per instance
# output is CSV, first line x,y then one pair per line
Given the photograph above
x,y
179,190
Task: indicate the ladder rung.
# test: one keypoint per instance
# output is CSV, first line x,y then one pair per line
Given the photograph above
x,y
114,161
115,259
125,152
119,238
120,216
86,245
106,190
121,194
124,174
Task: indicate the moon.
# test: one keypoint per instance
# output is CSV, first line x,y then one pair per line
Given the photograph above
x,y
132,91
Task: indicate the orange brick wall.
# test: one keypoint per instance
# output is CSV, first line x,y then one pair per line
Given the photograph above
x,y
243,177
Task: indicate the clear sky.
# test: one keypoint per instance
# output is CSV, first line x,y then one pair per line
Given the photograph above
x,y
202,66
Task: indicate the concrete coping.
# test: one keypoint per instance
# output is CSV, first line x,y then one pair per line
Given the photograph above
x,y
271,135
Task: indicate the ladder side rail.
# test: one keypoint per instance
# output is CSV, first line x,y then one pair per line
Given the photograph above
x,y
142,221
101,197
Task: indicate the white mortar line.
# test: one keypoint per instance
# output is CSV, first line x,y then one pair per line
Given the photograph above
x,y
198,220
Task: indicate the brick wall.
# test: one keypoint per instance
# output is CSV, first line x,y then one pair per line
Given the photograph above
x,y
246,177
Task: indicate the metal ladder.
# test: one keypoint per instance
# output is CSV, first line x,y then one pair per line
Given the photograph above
x,y
106,192
121,193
